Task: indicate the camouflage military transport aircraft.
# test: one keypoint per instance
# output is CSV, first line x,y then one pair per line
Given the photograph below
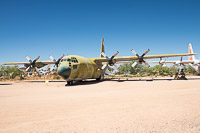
x,y
73,67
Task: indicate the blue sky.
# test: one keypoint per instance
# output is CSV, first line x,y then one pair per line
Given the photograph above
x,y
54,27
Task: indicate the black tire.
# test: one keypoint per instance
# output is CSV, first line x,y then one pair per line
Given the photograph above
x,y
70,83
99,78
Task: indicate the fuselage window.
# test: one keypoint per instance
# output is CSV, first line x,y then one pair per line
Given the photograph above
x,y
74,66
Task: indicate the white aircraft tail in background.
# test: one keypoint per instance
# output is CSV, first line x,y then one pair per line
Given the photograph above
x,y
192,58
191,61
195,63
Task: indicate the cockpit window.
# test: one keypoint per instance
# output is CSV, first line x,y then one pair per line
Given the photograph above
x,y
73,59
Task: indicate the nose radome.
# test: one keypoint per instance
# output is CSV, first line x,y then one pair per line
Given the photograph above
x,y
64,71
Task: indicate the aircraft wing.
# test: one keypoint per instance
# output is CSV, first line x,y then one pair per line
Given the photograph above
x,y
173,62
38,64
131,58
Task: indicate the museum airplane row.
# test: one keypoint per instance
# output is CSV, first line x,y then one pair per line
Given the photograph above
x,y
74,67
192,61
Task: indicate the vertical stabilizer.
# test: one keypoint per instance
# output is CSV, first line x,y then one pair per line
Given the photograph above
x,y
192,58
102,47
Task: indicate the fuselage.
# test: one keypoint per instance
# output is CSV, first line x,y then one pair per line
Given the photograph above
x,y
75,67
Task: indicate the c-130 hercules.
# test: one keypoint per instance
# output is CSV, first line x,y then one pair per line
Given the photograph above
x,y
73,67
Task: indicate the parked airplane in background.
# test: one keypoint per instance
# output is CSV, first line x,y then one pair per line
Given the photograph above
x,y
191,61
73,67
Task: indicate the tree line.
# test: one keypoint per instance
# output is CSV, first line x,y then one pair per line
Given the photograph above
x,y
11,72
157,70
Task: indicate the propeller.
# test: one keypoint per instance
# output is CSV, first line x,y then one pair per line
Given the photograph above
x,y
56,62
32,64
109,60
140,58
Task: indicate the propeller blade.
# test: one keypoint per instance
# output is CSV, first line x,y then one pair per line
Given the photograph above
x,y
133,51
51,57
54,60
36,59
27,69
114,55
104,66
29,59
117,52
104,55
61,57
134,64
147,51
57,62
37,70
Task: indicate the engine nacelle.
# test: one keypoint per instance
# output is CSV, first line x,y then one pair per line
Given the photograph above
x,y
162,62
178,62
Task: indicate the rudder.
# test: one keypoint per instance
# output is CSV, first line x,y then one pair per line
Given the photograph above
x,y
102,47
192,57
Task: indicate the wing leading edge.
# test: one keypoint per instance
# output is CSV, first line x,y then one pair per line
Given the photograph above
x,y
38,64
131,58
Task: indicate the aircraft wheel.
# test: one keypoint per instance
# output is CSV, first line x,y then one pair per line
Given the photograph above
x,y
98,79
70,83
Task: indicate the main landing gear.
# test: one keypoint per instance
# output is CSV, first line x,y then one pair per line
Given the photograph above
x,y
69,83
100,78
180,75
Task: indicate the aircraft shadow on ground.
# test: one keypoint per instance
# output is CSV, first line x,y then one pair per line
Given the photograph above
x,y
136,80
124,80
91,82
5,83
87,82
41,81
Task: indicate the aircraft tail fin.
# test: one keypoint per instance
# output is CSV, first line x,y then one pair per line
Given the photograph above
x,y
192,58
102,47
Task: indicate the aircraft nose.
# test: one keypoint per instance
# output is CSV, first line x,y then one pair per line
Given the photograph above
x,y
64,71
